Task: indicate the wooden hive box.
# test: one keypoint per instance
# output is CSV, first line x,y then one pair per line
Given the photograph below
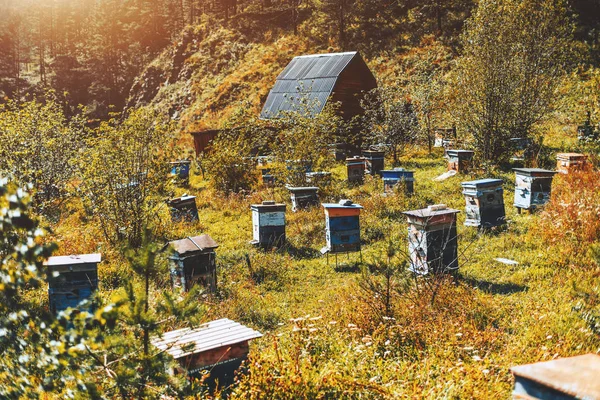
x,y
303,197
218,346
460,160
569,162
355,166
532,187
484,203
268,224
319,178
194,262
342,227
183,209
72,279
398,176
374,161
561,379
432,239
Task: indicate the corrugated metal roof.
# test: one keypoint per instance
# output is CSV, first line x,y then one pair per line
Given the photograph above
x,y
74,259
209,336
192,244
309,79
576,376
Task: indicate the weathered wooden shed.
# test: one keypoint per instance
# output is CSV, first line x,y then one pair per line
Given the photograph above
x,y
194,261
432,239
218,346
76,279
560,379
318,79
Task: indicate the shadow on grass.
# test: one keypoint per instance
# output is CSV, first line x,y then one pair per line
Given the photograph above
x,y
347,267
492,287
303,252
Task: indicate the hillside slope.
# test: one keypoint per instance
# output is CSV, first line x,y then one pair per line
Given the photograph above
x,y
213,68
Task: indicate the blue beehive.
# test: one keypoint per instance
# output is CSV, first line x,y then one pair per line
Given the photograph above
x,y
532,187
181,170
396,176
485,203
342,227
268,224
73,279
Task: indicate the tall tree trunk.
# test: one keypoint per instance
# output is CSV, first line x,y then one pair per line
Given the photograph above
x,y
342,24
438,15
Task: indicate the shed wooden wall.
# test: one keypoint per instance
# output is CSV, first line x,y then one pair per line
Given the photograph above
x,y
353,80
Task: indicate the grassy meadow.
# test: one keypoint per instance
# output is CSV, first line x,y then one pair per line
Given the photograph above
x,y
323,334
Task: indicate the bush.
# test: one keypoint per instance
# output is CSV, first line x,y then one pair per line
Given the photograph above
x,y
571,217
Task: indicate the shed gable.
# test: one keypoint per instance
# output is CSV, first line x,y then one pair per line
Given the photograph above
x,y
307,83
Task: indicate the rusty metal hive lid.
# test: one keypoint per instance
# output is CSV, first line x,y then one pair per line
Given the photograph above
x,y
74,259
193,244
577,376
209,336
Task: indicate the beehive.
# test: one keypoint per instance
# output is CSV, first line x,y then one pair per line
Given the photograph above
x,y
267,178
398,176
268,224
194,261
484,203
532,187
303,197
459,160
218,347
443,136
72,279
181,170
560,379
432,239
319,178
183,209
374,161
356,169
342,227
569,162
